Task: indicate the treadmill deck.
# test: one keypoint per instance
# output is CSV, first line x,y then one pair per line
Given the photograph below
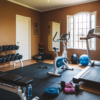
x,y
93,75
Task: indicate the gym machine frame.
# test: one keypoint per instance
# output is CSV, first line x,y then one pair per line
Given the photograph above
x,y
85,74
60,61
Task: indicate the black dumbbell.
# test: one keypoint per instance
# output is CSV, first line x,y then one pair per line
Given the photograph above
x,y
77,88
12,58
9,55
20,57
5,47
0,60
16,47
3,58
1,48
13,54
7,59
9,47
16,56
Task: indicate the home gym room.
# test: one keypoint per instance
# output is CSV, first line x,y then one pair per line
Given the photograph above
x,y
56,56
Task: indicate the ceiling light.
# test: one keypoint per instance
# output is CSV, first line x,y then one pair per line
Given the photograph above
x,y
48,0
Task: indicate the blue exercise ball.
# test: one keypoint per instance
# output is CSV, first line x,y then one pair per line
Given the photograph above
x,y
84,60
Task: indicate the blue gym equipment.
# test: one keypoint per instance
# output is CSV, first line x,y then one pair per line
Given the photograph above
x,y
52,91
84,60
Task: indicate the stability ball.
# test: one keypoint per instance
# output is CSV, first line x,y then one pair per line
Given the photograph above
x,y
84,60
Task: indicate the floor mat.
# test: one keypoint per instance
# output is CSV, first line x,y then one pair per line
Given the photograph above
x,y
41,81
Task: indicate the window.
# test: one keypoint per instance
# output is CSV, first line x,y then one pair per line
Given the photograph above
x,y
78,25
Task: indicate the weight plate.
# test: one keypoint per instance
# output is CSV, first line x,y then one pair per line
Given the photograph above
x,y
52,91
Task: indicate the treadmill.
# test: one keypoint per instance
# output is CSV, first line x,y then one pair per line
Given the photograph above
x,y
91,74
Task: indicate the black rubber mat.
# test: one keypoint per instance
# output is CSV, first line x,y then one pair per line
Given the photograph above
x,y
41,81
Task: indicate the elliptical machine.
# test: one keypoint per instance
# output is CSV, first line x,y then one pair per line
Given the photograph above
x,y
60,61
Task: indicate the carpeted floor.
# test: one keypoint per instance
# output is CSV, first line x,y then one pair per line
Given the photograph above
x,y
41,81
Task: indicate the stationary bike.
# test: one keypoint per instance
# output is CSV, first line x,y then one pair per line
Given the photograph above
x,y
60,61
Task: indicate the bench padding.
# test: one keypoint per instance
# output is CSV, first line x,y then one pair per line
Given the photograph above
x,y
10,78
23,82
14,79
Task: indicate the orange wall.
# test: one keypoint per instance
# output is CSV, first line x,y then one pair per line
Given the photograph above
x,y
8,13
60,14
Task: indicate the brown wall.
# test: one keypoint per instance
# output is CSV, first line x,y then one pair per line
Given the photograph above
x,y
8,13
60,14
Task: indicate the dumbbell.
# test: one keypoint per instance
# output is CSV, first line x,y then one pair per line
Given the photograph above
x,y
20,57
16,56
41,44
0,60
8,59
13,54
16,47
41,48
9,55
12,57
3,58
76,88
41,53
10,47
1,48
4,47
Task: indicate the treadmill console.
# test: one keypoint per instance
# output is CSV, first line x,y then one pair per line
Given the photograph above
x,y
94,32
90,33
97,31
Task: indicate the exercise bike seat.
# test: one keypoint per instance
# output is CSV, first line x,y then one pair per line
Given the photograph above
x,y
54,48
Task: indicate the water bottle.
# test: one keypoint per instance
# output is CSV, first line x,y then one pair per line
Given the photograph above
x,y
29,90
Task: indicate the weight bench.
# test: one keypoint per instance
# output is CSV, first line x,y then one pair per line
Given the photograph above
x,y
12,83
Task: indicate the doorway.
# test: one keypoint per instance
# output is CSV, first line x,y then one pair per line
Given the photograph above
x,y
23,36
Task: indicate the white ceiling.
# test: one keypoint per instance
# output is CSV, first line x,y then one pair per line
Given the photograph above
x,y
44,5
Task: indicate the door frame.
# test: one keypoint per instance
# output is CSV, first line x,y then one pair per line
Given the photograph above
x,y
29,33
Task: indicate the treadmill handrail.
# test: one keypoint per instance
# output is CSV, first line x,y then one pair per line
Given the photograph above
x,y
85,38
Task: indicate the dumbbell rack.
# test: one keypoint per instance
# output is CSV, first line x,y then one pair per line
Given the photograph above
x,y
13,60
41,49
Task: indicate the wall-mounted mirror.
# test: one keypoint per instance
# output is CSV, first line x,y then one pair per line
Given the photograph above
x,y
53,27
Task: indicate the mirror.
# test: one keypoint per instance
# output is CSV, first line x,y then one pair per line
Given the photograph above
x,y
53,27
